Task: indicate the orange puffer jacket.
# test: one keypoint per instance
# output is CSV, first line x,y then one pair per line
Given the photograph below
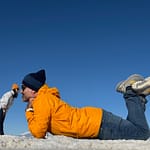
x,y
51,114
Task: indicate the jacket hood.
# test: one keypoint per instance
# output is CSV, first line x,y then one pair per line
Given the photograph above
x,y
53,90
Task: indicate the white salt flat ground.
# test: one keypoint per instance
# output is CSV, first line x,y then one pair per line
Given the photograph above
x,y
66,143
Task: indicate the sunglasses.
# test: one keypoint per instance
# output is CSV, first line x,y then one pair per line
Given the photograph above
x,y
23,87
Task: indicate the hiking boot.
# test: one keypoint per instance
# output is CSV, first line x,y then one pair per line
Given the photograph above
x,y
142,87
121,86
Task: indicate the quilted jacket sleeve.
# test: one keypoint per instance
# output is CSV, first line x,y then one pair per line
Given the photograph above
x,y
7,100
39,119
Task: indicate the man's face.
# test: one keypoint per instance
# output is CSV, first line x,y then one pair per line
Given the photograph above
x,y
27,93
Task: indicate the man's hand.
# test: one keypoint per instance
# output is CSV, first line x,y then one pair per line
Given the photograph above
x,y
29,105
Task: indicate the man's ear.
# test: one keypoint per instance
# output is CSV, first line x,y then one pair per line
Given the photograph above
x,y
34,92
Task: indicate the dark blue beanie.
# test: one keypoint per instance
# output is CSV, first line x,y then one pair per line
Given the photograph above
x,y
35,80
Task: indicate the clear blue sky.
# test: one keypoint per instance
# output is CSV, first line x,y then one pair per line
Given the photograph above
x,y
85,46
